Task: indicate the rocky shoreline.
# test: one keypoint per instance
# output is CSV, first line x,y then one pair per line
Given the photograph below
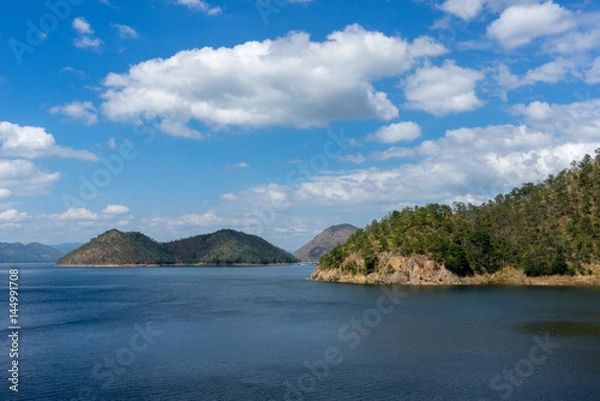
x,y
420,270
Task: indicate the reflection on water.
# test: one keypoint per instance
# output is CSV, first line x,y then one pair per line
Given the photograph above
x,y
257,334
561,328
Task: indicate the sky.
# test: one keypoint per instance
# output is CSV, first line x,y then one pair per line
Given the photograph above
x,y
281,118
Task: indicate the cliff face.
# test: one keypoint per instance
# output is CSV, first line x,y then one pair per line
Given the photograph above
x,y
392,268
325,242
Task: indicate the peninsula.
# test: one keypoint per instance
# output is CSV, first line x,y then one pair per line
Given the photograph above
x,y
539,234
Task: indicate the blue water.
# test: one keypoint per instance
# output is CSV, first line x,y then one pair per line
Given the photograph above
x,y
270,334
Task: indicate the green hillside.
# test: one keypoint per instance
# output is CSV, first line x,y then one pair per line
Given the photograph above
x,y
227,247
222,247
118,248
552,227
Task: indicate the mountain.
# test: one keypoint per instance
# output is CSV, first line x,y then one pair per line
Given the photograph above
x,y
551,228
224,247
30,253
67,247
324,242
118,248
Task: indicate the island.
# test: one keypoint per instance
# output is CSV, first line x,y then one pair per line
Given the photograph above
x,y
539,234
222,248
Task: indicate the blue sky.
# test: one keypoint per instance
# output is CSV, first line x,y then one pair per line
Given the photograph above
x,y
281,118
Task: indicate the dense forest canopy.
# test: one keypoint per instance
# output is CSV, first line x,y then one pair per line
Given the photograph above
x,y
552,227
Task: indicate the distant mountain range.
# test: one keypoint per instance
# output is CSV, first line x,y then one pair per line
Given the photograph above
x,y
224,247
325,242
33,252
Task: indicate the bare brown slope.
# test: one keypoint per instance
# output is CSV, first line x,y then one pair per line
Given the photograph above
x,y
324,242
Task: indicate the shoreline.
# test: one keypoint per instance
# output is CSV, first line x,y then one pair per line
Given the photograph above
x,y
422,271
181,265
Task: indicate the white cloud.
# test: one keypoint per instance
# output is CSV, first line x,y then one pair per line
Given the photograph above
x,y
83,111
125,32
23,178
575,42
86,42
78,213
82,27
518,25
207,219
577,121
73,71
392,153
552,72
402,131
229,197
467,163
200,5
5,193
443,90
593,75
85,38
289,81
115,210
12,215
356,159
465,9
237,165
33,142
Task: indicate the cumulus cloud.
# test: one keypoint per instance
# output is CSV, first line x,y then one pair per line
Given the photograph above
x,y
12,215
579,120
290,81
33,142
115,210
465,9
207,219
402,131
22,178
83,111
81,26
85,38
466,163
78,213
578,41
518,25
552,72
443,90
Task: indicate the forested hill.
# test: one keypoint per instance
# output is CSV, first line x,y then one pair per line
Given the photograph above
x,y
552,227
116,248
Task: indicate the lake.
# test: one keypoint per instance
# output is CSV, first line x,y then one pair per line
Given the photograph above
x,y
267,333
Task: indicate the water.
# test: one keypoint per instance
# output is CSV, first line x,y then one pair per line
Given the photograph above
x,y
269,334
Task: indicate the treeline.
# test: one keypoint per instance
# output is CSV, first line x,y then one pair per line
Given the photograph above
x,y
552,227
